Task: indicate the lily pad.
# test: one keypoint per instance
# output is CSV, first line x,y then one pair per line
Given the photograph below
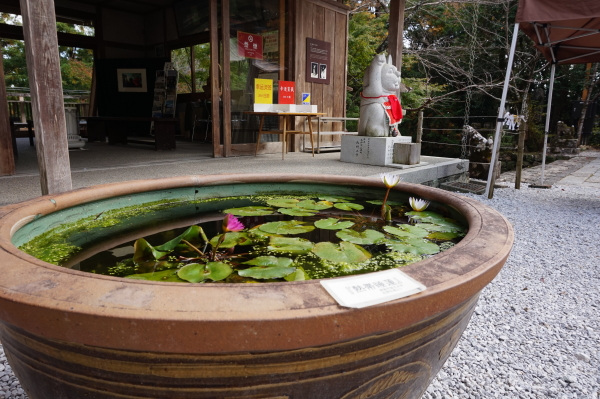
x,y
344,252
336,199
196,272
364,237
298,275
437,227
442,236
349,206
333,224
316,206
143,251
424,214
250,211
414,246
449,224
193,233
269,261
266,272
256,232
165,275
296,212
380,202
286,227
283,202
232,239
406,231
293,245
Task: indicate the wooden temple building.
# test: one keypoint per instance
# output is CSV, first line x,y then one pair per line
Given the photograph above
x,y
140,34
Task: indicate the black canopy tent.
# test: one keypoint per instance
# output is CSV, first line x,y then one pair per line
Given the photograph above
x,y
565,32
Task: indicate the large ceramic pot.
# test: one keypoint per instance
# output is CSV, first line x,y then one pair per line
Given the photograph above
x,y
72,334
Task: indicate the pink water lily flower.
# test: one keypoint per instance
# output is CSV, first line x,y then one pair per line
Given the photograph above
x,y
418,204
231,223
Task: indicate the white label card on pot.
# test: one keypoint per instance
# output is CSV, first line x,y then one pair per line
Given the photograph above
x,y
371,289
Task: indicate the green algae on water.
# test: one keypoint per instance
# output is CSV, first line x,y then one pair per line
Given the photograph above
x,y
54,246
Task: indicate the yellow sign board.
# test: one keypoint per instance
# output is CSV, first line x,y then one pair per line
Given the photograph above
x,y
263,91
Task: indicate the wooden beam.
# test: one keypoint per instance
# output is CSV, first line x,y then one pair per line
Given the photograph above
x,y
43,68
226,78
396,30
7,159
99,33
15,32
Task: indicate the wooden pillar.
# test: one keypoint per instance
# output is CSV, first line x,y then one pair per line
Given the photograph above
x,y
226,78
520,151
193,67
420,128
7,159
43,69
214,78
396,31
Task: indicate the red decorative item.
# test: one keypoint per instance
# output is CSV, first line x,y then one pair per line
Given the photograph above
x,y
287,92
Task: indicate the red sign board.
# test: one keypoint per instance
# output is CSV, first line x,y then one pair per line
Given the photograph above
x,y
287,92
250,45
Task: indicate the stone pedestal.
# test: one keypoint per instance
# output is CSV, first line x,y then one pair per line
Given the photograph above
x,y
407,153
370,150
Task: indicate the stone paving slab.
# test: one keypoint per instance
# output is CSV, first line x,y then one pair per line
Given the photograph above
x,y
581,170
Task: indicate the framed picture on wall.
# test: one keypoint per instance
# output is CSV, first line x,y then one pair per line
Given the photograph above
x,y
132,80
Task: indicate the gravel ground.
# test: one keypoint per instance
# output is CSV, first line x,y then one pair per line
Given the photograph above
x,y
536,330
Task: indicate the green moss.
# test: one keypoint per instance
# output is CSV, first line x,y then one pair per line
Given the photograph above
x,y
54,245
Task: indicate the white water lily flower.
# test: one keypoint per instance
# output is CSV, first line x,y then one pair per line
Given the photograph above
x,y
390,180
418,204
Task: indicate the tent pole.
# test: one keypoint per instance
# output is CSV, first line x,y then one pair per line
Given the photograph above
x,y
490,181
546,130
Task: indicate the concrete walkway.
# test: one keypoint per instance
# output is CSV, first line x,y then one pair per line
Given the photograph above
x,y
101,163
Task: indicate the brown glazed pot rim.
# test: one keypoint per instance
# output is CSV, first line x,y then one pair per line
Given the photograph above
x,y
104,311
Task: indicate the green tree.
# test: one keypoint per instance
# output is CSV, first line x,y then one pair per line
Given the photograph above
x,y
76,64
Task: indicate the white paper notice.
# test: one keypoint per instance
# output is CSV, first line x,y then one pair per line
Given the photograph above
x,y
372,288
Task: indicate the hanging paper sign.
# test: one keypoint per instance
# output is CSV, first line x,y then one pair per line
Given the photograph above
x,y
271,41
287,92
263,91
250,45
318,59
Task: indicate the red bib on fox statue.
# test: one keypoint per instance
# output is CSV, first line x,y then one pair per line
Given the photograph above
x,y
380,109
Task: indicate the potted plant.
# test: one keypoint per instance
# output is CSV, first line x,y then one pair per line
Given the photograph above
x,y
73,334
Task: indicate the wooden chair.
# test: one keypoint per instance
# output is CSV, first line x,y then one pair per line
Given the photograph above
x,y
201,115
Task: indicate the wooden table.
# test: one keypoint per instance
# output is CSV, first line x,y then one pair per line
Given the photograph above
x,y
284,132
115,128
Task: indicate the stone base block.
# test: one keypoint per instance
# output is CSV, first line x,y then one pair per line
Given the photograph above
x,y
370,150
407,153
